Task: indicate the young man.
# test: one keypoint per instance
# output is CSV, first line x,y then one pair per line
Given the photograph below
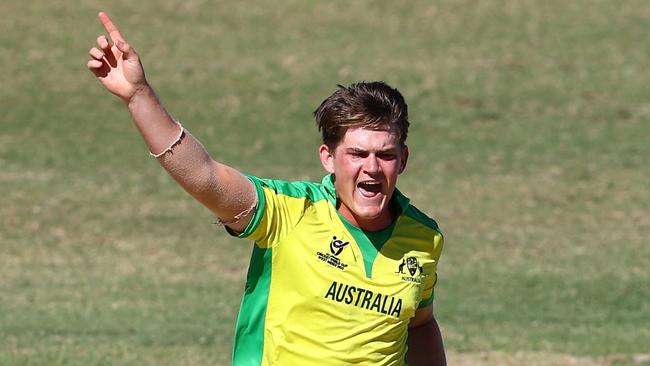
x,y
342,271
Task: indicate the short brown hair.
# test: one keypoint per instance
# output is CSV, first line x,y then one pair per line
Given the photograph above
x,y
373,105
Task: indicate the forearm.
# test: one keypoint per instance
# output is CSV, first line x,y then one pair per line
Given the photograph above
x,y
425,346
219,187
188,163
225,191
156,126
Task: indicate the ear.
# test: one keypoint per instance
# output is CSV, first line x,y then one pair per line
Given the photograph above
x,y
326,158
405,158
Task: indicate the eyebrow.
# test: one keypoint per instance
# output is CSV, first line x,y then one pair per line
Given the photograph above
x,y
356,150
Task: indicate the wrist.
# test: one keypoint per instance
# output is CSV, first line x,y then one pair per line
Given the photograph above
x,y
141,91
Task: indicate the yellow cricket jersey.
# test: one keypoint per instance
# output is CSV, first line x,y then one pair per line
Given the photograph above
x,y
321,291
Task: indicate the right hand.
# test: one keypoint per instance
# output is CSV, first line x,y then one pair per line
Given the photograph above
x,y
116,66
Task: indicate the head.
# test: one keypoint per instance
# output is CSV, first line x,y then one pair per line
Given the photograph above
x,y
364,129
369,105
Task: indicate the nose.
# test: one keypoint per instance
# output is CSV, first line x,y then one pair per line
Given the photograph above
x,y
371,165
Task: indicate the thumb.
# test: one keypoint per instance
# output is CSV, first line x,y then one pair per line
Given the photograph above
x,y
128,53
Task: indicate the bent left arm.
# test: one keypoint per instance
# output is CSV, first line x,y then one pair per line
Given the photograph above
x,y
425,347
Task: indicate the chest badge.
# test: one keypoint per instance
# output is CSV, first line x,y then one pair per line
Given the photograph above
x,y
337,245
336,248
413,273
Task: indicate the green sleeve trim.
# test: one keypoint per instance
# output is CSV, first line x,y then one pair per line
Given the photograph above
x,y
259,210
426,302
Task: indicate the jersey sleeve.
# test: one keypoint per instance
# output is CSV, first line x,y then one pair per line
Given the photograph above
x,y
276,214
431,280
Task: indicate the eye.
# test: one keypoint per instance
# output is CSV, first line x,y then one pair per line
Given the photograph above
x,y
387,156
358,154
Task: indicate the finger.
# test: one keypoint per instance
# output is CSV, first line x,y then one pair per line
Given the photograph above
x,y
127,51
108,50
111,57
103,43
94,64
99,68
112,30
96,53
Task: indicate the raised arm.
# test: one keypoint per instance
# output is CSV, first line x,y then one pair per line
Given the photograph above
x,y
222,189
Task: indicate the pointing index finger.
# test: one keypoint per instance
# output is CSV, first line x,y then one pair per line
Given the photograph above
x,y
112,30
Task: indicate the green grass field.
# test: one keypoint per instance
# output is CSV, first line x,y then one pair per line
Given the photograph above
x,y
529,144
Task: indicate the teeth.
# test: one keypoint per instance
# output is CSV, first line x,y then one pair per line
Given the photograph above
x,y
370,186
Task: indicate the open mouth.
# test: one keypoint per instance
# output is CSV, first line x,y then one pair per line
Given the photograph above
x,y
369,188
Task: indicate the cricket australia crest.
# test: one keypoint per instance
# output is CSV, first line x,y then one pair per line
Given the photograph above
x,y
414,271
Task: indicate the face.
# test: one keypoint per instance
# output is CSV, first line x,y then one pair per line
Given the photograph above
x,y
366,164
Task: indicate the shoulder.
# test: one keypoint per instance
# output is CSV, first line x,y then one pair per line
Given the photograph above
x,y
420,218
295,189
420,231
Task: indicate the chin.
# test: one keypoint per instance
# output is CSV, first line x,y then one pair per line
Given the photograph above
x,y
369,213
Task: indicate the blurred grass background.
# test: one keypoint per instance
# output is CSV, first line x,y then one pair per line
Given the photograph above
x,y
529,145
